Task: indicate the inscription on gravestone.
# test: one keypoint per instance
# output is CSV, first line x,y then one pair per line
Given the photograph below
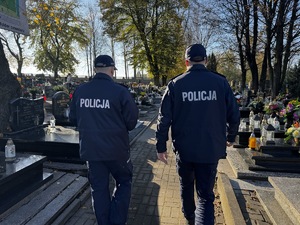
x,y
60,106
26,113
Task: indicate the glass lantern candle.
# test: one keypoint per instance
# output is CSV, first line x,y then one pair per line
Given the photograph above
x,y
243,125
256,120
251,120
52,122
270,133
263,132
276,123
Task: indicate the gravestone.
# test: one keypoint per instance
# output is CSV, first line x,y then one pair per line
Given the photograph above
x,y
20,178
26,113
49,91
60,107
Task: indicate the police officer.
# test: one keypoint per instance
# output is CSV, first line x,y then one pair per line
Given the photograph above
x,y
202,112
104,112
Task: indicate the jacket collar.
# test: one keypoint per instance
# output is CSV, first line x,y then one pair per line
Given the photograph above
x,y
102,76
197,67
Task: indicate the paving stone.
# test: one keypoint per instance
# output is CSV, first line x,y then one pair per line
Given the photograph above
x,y
155,194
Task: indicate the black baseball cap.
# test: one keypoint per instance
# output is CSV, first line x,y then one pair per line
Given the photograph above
x,y
195,53
104,61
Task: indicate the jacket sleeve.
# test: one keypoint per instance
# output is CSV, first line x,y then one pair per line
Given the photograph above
x,y
129,110
164,120
233,114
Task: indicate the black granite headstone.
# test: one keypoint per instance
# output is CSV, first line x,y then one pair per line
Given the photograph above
x,y
26,113
21,177
49,91
60,106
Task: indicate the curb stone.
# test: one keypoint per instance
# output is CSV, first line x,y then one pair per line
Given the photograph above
x,y
230,205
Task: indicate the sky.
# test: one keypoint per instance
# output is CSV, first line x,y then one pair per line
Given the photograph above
x,y
81,68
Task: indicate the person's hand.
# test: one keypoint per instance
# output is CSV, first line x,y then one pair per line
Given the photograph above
x,y
163,157
229,143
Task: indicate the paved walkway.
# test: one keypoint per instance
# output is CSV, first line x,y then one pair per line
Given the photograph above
x,y
155,195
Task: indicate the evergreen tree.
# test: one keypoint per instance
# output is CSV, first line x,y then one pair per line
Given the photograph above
x,y
212,63
293,81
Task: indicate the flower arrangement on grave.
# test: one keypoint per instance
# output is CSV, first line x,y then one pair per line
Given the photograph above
x,y
293,133
58,88
291,112
274,107
256,105
33,91
142,94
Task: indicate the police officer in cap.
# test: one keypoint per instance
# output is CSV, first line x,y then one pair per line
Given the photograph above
x,y
203,114
104,112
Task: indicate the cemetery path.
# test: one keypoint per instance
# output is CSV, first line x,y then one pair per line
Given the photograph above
x,y
155,195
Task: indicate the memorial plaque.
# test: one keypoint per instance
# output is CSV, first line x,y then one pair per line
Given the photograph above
x,y
60,106
26,113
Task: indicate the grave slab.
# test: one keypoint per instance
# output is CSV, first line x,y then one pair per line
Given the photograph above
x,y
275,212
288,195
20,178
240,166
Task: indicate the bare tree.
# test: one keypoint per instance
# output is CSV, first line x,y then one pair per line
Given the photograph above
x,y
233,18
96,38
268,28
201,24
287,37
251,38
17,50
268,11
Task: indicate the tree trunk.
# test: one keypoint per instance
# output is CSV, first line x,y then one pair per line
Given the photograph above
x,y
9,89
156,80
279,48
19,69
263,75
164,80
251,43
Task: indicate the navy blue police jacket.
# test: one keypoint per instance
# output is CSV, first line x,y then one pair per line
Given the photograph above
x,y
104,112
203,114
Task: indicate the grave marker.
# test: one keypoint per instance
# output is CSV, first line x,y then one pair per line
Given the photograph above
x,y
49,92
60,106
26,113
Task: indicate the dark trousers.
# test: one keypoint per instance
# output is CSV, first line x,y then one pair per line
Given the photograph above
x,y
203,175
109,209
